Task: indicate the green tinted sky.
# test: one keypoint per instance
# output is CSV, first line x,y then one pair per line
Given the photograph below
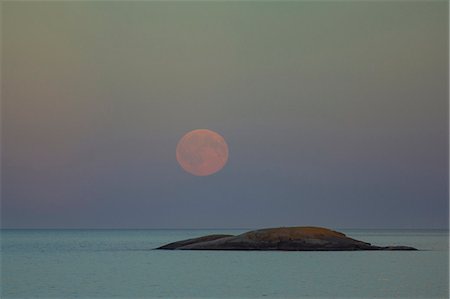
x,y
336,113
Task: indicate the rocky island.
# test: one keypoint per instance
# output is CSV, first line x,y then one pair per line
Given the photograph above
x,y
284,238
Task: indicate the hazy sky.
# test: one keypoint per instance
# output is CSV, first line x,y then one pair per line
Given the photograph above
x,y
335,113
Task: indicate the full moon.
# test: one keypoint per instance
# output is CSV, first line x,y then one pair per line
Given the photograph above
x,y
202,152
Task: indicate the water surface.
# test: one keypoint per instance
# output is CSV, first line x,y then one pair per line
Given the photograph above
x,y
121,264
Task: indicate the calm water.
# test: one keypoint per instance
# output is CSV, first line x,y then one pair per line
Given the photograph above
x,y
119,263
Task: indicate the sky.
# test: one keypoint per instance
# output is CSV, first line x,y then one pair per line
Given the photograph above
x,y
335,113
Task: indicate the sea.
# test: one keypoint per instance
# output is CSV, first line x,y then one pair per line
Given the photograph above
x,y
122,264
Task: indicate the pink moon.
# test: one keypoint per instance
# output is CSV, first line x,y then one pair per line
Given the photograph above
x,y
202,152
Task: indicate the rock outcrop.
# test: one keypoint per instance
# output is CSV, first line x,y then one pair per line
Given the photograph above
x,y
283,238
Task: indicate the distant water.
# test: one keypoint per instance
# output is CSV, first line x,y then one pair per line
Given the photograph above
x,y
119,263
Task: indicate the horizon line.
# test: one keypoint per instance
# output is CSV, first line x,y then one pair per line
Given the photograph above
x,y
213,228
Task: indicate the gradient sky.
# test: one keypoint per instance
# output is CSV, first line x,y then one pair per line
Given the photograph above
x,y
335,113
